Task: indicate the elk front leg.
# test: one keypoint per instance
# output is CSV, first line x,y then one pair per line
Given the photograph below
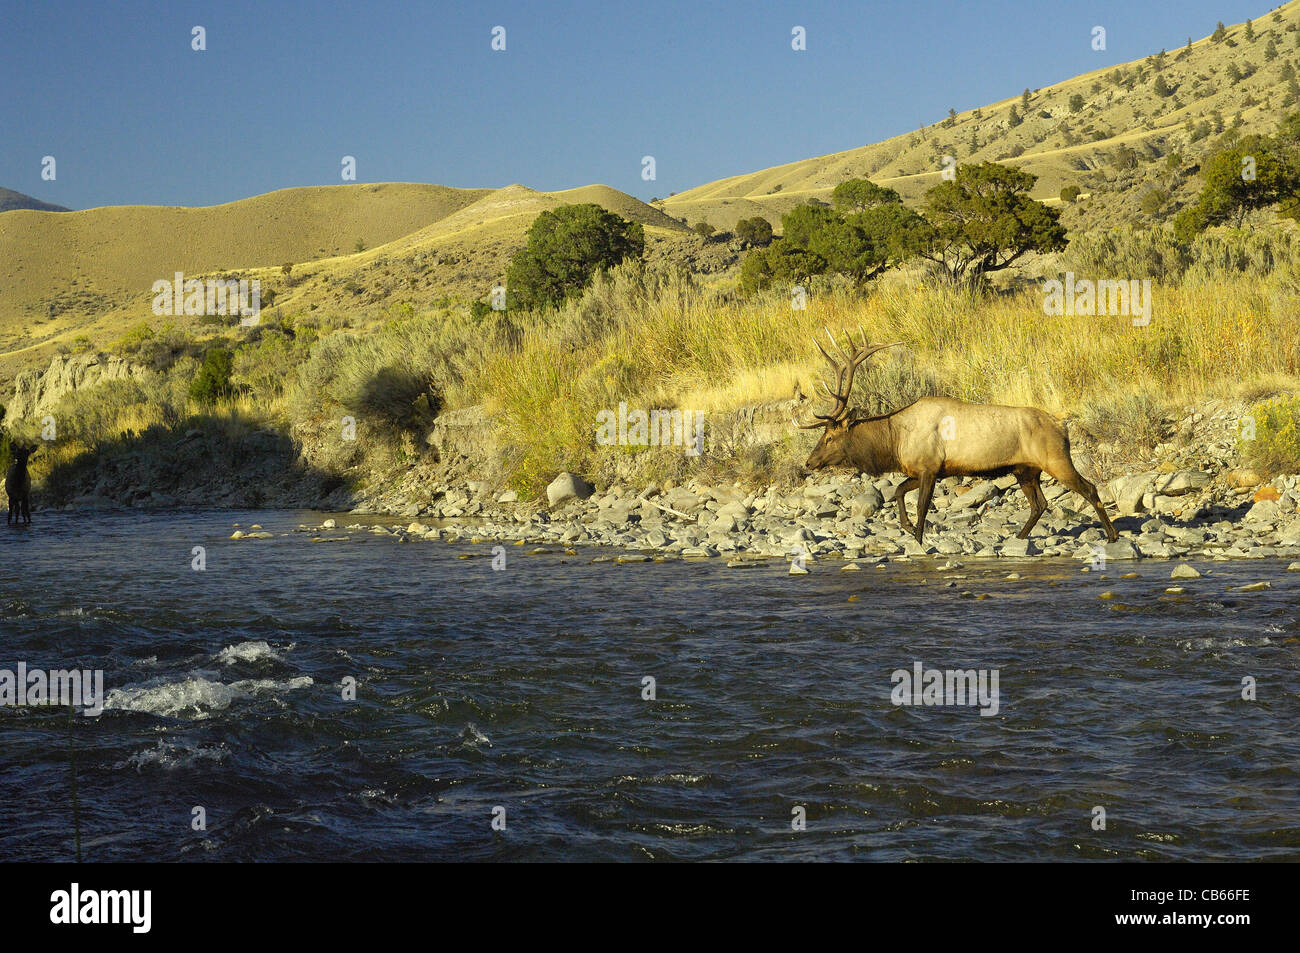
x,y
900,494
923,503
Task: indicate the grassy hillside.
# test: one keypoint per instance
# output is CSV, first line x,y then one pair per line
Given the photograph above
x,y
1129,137
65,274
421,243
461,255
1060,139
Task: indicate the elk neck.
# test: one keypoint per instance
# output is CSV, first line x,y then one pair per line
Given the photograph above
x,y
871,446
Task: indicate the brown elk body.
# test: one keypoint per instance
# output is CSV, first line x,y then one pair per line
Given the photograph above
x,y
938,437
18,485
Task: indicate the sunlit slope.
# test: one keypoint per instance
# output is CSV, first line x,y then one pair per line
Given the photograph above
x,y
88,274
50,262
1062,140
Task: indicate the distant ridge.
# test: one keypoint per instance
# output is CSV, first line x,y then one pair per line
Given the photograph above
x,y
10,200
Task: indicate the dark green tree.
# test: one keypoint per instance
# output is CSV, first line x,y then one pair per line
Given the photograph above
x,y
565,248
212,383
867,231
1255,173
755,231
779,263
984,221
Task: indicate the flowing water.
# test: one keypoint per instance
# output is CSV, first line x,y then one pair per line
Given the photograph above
x,y
523,689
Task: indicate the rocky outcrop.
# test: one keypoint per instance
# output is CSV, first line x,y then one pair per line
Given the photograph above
x,y
38,392
467,434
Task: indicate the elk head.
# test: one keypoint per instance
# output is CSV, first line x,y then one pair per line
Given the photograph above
x,y
833,448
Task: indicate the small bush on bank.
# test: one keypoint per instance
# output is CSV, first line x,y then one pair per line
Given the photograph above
x,y
1274,446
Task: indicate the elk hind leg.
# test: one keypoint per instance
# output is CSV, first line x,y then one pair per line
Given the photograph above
x,y
1065,473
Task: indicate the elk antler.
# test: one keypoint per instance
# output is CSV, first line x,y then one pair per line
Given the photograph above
x,y
852,358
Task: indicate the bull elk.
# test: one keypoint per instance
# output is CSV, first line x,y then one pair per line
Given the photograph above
x,y
18,484
938,437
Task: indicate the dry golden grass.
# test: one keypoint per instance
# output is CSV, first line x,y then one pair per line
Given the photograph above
x,y
658,339
683,347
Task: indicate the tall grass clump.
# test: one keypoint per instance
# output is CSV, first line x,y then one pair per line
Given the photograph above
x,y
658,340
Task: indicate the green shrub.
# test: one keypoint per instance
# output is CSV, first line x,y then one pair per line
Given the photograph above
x,y
1274,447
1134,418
93,416
1127,253
212,383
134,339
755,231
398,396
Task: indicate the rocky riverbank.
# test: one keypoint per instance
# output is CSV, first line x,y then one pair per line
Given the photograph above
x,y
1190,496
1189,514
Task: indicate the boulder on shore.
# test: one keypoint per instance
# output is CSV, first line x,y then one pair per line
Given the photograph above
x,y
568,486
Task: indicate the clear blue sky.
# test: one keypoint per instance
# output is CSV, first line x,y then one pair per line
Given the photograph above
x,y
583,90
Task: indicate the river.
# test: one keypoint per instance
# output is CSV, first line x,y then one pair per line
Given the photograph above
x,y
507,714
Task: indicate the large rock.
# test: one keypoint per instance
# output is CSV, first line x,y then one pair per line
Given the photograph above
x,y
1265,511
737,511
1180,483
866,503
568,486
1127,492
1121,549
1017,547
1243,478
979,494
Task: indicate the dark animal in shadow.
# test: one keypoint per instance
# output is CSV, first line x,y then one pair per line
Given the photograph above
x,y
18,484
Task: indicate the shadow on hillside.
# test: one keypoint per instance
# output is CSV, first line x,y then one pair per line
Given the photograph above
x,y
399,398
226,460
